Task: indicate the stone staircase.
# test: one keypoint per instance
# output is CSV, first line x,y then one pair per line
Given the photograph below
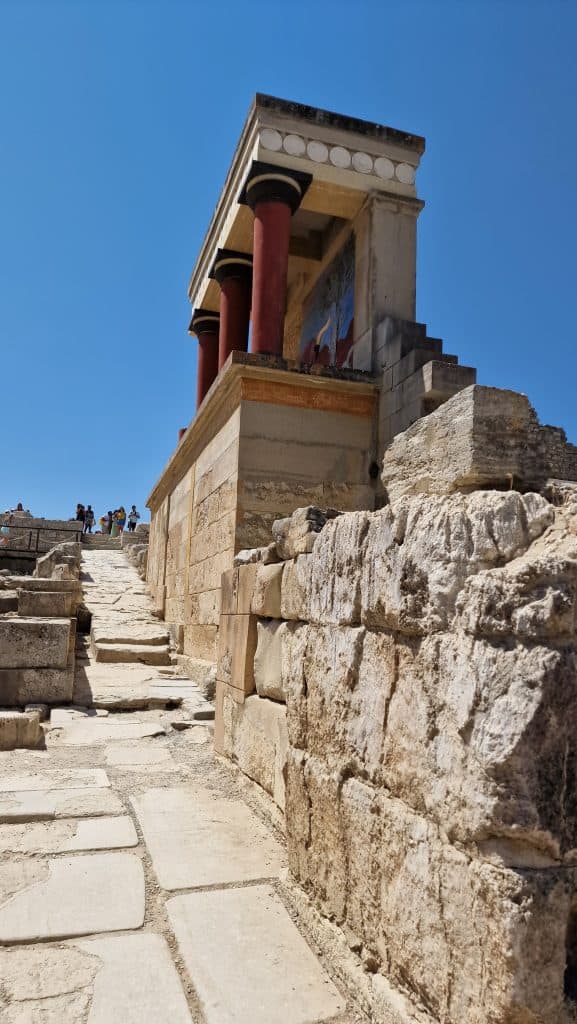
x,y
100,542
141,643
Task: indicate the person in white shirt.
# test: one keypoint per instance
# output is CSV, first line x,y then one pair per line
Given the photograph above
x,y
133,517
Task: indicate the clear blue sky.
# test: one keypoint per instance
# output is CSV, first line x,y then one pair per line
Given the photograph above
x,y
118,122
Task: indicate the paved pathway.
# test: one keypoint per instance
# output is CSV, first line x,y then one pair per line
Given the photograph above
x,y
140,878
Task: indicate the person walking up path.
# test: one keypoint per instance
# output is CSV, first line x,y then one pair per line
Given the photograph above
x,y
133,517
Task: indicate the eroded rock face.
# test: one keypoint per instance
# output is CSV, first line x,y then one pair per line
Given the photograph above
x,y
431,690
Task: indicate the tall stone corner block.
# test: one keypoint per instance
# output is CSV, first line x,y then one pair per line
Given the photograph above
x,y
237,639
233,272
237,586
205,325
273,194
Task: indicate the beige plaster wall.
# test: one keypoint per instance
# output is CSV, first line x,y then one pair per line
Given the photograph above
x,y
291,457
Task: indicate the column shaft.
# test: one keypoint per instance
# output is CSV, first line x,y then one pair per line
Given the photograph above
x,y
234,316
272,226
207,363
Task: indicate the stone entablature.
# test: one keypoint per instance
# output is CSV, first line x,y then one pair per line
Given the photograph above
x,y
347,158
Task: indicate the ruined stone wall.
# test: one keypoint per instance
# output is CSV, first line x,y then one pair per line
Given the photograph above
x,y
404,683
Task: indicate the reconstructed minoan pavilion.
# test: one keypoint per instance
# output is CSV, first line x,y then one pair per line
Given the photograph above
x,y
309,357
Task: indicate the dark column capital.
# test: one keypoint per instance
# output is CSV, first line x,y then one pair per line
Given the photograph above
x,y
228,263
270,183
204,321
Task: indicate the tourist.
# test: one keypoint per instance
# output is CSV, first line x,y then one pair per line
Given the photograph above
x,y
104,524
79,513
133,517
114,527
121,518
88,519
110,520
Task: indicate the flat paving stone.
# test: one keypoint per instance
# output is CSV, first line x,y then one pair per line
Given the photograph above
x,y
141,758
119,978
71,896
102,730
46,805
68,836
247,960
55,778
196,838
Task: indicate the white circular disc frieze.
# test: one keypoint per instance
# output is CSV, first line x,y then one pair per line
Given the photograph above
x,y
384,167
363,163
271,139
294,144
317,152
405,173
340,157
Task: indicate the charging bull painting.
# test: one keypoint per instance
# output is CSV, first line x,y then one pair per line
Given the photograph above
x,y
327,332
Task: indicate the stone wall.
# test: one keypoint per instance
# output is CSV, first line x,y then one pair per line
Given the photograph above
x,y
38,630
404,683
277,441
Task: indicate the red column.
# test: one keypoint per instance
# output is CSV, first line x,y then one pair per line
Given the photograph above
x,y
233,271
272,228
205,324
273,193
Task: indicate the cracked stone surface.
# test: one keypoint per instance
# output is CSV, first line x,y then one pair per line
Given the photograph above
x,y
71,896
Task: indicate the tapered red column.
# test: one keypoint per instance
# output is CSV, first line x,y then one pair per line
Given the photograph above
x,y
205,324
273,193
233,271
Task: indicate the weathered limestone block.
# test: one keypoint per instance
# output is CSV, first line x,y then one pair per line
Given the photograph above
x,y
296,588
481,437
418,555
20,729
34,642
534,599
255,737
268,659
266,595
237,637
21,686
68,553
430,918
465,732
335,590
52,604
297,534
278,657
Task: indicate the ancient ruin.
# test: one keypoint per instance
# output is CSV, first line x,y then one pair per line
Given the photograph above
x,y
347,645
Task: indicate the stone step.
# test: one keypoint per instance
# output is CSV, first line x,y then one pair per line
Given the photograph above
x,y
141,633
101,542
145,654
